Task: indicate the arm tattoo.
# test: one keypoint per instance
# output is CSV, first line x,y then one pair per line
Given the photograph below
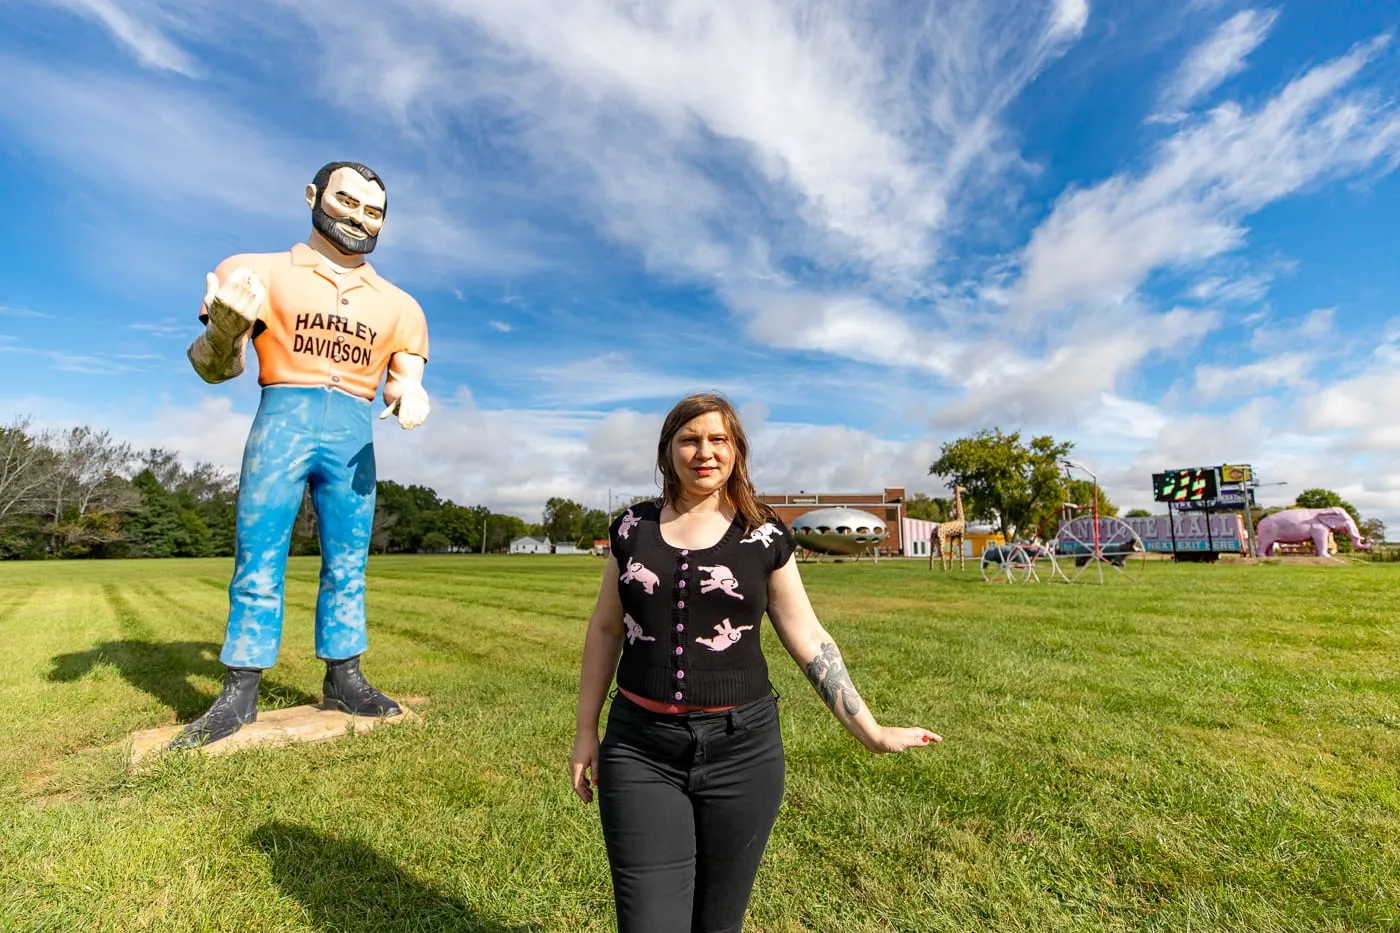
x,y
827,672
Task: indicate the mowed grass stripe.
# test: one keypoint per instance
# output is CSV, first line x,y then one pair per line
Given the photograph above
x,y
1210,749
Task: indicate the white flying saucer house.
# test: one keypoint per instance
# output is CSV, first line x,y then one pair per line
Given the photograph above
x,y
839,530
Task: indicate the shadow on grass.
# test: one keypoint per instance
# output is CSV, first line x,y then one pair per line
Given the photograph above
x,y
347,887
163,669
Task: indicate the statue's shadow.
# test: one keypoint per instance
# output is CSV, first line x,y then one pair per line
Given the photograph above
x,y
348,887
164,670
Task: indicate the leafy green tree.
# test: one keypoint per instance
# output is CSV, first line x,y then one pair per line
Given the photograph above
x,y
595,526
1015,482
22,538
563,519
435,542
1373,530
194,535
161,527
1138,513
414,510
501,530
928,508
461,525
306,538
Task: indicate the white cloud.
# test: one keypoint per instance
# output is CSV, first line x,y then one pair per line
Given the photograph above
x,y
97,364
1338,437
852,326
18,311
1318,324
612,378
1314,332
210,431
1100,243
845,133
166,327
143,39
1287,369
499,326
1209,64
1073,375
1069,19
188,155
1246,289
1359,411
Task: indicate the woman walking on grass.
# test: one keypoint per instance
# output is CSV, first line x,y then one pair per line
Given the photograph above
x,y
690,770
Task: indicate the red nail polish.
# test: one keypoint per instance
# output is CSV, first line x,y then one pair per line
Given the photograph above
x,y
925,740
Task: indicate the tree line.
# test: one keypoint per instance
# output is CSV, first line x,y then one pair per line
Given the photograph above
x,y
81,493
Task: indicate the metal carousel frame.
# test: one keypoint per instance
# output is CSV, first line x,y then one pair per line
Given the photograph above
x,y
1109,541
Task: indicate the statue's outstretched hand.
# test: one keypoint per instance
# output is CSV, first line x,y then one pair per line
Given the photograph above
x,y
412,407
234,305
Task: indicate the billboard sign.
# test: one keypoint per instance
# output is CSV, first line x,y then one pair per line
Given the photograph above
x,y
1236,473
1232,496
1226,533
1185,485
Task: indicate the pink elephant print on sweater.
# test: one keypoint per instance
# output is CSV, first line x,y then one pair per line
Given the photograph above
x,y
637,571
634,630
763,533
721,578
727,635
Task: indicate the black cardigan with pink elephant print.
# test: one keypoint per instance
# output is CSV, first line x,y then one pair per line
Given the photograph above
x,y
692,616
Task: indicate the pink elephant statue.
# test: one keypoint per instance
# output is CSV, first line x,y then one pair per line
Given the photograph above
x,y
1295,525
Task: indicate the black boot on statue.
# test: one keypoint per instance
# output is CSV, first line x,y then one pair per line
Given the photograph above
x,y
235,707
347,690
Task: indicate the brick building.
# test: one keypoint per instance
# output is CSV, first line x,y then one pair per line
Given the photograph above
x,y
887,506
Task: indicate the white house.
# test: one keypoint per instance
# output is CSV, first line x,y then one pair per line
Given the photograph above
x,y
528,545
567,547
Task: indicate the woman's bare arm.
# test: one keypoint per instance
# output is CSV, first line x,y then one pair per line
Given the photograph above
x,y
602,646
815,651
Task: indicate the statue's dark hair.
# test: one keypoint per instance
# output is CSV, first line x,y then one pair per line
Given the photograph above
x,y
323,178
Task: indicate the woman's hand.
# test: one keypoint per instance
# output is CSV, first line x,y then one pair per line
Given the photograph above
x,y
584,762
898,738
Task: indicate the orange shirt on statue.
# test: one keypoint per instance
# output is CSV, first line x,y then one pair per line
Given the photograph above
x,y
326,328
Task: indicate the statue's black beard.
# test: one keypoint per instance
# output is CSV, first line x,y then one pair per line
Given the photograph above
x,y
325,225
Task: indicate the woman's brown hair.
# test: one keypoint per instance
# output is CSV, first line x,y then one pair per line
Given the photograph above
x,y
739,489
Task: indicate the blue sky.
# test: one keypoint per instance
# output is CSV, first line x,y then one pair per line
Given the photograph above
x,y
1165,232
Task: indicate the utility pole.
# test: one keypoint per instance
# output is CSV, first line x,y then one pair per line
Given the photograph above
x,y
1250,549
484,522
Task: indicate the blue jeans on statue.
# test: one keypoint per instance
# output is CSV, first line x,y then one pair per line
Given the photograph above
x,y
301,435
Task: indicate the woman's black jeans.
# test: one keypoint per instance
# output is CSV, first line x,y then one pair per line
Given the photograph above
x,y
687,802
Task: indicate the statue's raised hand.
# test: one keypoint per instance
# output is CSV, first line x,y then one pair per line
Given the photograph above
x,y
236,304
412,407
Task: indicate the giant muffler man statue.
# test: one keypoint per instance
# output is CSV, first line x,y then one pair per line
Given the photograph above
x,y
325,327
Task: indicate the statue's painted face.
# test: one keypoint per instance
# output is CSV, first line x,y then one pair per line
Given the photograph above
x,y
349,212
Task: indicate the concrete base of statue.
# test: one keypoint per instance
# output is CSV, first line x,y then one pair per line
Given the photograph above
x,y
295,724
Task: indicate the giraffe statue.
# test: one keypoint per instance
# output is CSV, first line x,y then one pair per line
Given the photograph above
x,y
948,532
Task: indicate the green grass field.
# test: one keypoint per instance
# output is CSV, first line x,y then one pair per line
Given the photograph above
x,y
1214,748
